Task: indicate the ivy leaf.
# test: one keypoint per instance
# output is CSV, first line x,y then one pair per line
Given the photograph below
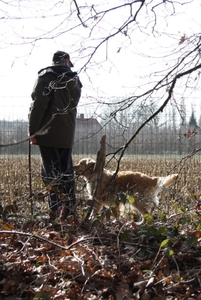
x,y
164,243
191,241
149,218
131,199
123,197
42,296
125,235
114,211
168,252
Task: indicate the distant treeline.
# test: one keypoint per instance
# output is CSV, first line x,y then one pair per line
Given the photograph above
x,y
161,137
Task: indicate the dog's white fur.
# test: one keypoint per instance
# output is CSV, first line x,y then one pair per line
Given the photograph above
x,y
142,187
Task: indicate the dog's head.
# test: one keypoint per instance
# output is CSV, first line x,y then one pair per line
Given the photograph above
x,y
85,167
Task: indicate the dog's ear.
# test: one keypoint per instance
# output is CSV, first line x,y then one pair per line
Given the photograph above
x,y
91,163
84,161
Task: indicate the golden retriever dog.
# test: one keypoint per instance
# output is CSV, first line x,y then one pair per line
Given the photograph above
x,y
142,187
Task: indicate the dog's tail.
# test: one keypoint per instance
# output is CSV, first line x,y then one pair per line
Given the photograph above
x,y
168,180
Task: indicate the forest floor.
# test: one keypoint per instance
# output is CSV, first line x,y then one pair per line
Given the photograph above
x,y
101,259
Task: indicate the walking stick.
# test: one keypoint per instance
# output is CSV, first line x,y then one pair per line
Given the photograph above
x,y
30,179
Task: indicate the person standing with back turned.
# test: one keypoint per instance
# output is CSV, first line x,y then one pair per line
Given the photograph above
x,y
52,126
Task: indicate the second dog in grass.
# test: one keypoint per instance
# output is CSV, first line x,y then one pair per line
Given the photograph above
x,y
142,187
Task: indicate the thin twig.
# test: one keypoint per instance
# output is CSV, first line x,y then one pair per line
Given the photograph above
x,y
78,14
30,179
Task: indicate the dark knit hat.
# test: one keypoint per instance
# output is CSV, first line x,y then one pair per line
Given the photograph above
x,y
59,56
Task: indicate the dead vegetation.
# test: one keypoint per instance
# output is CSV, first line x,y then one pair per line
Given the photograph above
x,y
103,258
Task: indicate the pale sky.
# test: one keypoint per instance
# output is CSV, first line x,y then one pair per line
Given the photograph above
x,y
120,68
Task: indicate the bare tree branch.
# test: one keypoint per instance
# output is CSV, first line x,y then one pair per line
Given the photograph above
x,y
78,13
170,92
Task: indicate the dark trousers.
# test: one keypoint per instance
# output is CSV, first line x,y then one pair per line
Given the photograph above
x,y
57,172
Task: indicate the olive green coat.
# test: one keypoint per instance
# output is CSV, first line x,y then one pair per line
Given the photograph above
x,y
53,111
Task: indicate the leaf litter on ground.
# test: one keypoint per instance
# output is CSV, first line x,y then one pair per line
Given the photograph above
x,y
97,260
